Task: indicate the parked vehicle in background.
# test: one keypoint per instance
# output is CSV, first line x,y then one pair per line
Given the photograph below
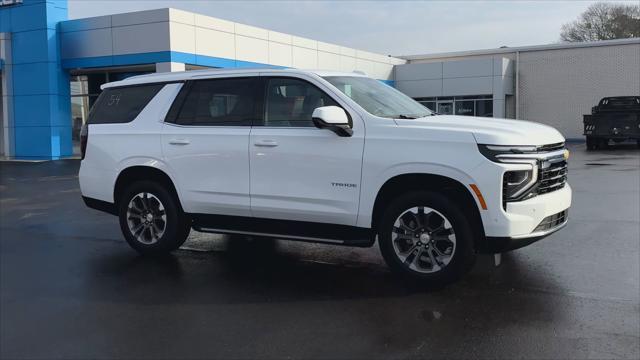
x,y
614,118
336,158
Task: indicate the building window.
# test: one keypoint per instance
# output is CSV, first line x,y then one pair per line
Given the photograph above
x,y
476,105
81,101
484,108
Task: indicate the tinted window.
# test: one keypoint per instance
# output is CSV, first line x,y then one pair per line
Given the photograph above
x,y
219,102
290,102
122,105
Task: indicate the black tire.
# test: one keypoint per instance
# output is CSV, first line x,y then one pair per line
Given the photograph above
x,y
463,256
592,144
177,226
638,143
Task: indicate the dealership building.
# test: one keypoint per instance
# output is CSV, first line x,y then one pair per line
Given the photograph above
x,y
51,69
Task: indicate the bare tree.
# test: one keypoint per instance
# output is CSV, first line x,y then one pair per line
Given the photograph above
x,y
604,21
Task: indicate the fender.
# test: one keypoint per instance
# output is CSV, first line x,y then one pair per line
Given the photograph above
x,y
151,162
374,186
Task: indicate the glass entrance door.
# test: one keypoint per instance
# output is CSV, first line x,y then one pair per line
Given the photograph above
x,y
445,108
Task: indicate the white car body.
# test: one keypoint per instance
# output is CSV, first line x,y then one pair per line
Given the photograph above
x,y
310,174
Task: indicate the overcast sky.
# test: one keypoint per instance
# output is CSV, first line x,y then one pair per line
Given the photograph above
x,y
387,27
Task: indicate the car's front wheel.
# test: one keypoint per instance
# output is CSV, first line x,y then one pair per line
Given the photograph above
x,y
427,237
151,219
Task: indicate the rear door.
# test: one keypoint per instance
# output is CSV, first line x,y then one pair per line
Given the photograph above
x,y
300,172
205,142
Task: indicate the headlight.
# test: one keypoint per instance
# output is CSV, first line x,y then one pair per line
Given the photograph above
x,y
516,184
499,153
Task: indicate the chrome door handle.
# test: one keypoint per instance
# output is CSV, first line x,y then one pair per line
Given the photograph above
x,y
266,143
179,142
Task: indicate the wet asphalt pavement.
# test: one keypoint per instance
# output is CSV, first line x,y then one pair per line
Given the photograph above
x,y
70,287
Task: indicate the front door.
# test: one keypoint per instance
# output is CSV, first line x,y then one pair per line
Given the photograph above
x,y
206,142
300,172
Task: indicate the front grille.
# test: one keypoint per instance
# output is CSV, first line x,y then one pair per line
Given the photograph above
x,y
552,178
552,221
550,147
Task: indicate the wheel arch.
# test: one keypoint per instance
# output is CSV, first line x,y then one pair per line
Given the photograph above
x,y
135,173
452,188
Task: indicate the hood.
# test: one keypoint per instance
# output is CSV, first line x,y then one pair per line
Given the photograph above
x,y
491,131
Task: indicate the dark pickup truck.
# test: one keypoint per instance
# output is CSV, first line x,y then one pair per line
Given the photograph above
x,y
615,118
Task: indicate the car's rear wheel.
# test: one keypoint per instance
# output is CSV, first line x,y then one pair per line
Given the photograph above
x,y
592,144
427,237
151,219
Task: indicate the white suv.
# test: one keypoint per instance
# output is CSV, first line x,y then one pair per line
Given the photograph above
x,y
327,157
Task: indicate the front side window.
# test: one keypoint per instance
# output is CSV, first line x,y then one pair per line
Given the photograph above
x,y
122,105
377,98
217,102
290,102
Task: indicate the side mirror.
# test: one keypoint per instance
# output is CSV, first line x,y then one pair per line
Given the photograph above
x,y
332,118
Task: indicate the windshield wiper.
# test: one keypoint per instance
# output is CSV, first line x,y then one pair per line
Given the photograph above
x,y
402,116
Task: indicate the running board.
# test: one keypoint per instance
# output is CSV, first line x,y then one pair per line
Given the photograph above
x,y
296,230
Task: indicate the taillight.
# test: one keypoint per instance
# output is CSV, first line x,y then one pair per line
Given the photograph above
x,y
84,137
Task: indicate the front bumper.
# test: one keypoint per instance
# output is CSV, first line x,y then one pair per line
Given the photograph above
x,y
502,244
524,222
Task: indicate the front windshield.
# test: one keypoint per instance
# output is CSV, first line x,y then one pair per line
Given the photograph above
x,y
377,98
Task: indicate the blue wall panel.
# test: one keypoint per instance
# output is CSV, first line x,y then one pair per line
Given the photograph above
x,y
34,46
32,110
33,142
36,78
41,105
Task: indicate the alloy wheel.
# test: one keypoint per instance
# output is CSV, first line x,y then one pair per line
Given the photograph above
x,y
423,239
146,218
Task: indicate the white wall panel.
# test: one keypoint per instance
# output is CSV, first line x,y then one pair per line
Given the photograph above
x,y
183,38
252,31
181,16
252,49
215,43
304,58
347,63
382,71
303,42
328,61
365,65
214,24
280,54
330,48
347,51
280,37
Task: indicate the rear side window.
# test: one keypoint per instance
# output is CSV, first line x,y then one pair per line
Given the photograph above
x,y
216,102
122,105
